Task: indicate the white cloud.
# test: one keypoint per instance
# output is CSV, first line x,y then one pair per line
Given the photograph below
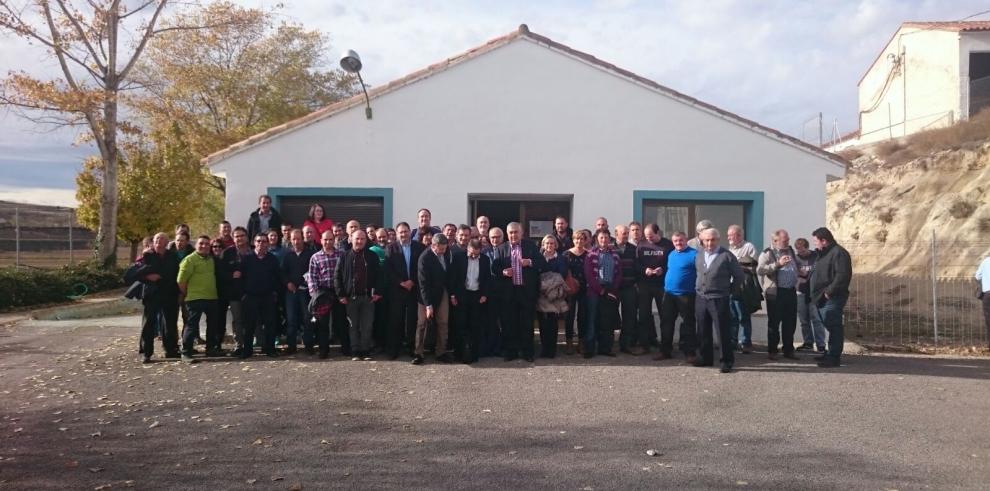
x,y
775,61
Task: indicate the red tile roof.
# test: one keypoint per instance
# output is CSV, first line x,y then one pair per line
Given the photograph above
x,y
493,44
958,26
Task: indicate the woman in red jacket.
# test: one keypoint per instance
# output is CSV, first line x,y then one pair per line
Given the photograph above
x,y
318,219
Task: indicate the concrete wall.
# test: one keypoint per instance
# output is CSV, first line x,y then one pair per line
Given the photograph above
x,y
969,42
528,119
923,93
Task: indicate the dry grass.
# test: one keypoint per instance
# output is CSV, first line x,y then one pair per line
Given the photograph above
x,y
887,215
850,154
962,209
960,135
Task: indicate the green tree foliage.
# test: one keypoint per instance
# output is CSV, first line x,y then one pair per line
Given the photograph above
x,y
160,184
225,83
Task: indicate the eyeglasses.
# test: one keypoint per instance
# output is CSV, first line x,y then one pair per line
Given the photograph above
x,y
217,246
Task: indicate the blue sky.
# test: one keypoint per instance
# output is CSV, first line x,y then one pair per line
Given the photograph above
x,y
774,61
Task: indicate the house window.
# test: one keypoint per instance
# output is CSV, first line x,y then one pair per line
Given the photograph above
x,y
979,82
682,216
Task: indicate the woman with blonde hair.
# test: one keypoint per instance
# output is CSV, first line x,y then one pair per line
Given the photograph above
x,y
551,306
577,304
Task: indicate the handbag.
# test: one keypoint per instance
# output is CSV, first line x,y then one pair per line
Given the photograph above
x,y
572,286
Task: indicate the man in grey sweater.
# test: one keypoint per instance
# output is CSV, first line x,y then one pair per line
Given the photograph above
x,y
718,274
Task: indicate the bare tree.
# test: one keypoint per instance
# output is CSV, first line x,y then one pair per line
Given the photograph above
x,y
96,45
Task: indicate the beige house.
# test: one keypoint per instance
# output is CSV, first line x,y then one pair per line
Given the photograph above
x,y
929,75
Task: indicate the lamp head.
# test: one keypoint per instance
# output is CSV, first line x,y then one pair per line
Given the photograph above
x,y
350,61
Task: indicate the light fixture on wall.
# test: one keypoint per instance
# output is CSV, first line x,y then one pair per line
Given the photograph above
x,y
351,63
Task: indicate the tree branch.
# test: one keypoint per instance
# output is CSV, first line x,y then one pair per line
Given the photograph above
x,y
148,33
82,35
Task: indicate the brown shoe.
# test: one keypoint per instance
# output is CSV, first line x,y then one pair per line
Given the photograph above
x,y
569,348
637,351
747,350
661,356
577,348
690,359
772,356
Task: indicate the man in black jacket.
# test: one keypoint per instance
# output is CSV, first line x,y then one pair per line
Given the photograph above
x,y
470,287
232,285
262,279
159,272
830,291
651,269
294,265
401,267
265,218
433,299
517,270
356,284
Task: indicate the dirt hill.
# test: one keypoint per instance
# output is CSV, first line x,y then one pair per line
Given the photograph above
x,y
887,212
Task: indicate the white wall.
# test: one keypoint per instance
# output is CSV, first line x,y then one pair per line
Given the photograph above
x,y
930,79
526,119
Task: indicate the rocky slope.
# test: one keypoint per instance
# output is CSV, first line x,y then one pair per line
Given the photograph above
x,y
886,214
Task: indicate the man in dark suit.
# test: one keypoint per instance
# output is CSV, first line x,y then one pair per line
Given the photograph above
x,y
470,287
433,299
401,266
518,266
159,272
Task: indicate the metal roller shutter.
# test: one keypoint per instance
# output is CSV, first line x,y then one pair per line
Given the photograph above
x,y
340,209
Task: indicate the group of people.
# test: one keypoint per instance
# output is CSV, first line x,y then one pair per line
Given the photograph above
x,y
466,292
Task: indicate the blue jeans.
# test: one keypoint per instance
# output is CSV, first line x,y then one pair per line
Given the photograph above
x,y
296,317
811,324
740,318
831,313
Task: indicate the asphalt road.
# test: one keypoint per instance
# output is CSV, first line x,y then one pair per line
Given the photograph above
x,y
79,412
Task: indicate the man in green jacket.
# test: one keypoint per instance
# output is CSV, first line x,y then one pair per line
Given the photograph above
x,y
198,286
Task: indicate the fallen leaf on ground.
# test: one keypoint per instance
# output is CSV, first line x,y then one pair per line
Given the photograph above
x,y
296,487
251,481
257,442
578,447
94,470
277,478
156,424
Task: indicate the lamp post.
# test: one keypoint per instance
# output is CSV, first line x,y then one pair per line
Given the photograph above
x,y
351,63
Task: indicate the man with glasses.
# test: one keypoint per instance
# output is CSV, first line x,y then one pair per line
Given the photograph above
x,y
233,285
518,269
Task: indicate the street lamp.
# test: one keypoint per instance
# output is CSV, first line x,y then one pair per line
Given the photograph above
x,y
351,63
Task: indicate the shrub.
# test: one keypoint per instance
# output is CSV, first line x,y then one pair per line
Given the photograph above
x,y
850,154
961,209
880,235
887,216
23,288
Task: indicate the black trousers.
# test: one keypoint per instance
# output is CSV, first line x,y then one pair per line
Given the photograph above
x,y
629,307
402,321
649,294
491,335
260,316
517,323
675,306
195,310
323,333
548,332
379,330
167,307
341,327
781,319
214,338
713,314
471,316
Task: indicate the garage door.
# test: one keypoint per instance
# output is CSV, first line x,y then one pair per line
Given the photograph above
x,y
340,209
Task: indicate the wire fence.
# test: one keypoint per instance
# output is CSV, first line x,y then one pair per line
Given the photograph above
x,y
36,236
916,294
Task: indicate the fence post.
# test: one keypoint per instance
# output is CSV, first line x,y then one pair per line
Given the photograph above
x,y
934,290
17,238
71,213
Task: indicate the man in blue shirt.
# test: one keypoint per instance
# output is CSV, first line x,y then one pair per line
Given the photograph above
x,y
678,300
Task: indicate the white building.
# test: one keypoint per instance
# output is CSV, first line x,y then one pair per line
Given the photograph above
x,y
524,128
929,75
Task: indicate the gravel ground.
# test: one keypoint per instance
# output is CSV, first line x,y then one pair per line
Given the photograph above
x,y
79,412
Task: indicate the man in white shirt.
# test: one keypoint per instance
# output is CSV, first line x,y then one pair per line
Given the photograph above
x,y
470,287
739,247
983,276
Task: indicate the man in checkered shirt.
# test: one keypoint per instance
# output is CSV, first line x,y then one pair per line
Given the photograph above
x,y
321,269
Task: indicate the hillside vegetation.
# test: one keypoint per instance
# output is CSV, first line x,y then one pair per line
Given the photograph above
x,y
897,193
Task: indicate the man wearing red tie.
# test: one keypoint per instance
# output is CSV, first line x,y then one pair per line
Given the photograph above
x,y
518,267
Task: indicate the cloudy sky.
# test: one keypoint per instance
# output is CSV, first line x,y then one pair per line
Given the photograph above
x,y
778,62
